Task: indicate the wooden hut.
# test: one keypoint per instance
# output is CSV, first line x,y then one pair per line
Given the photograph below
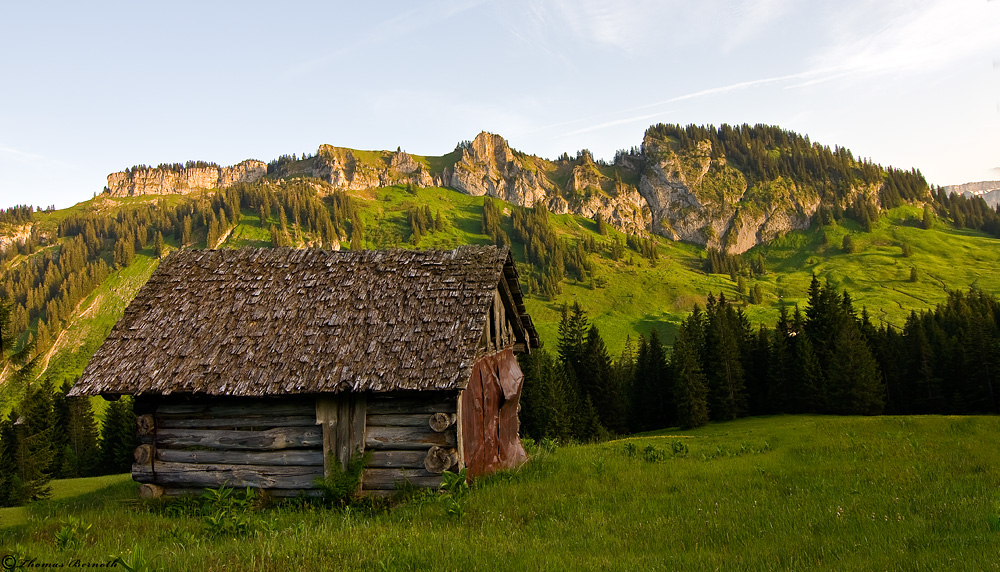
x,y
261,367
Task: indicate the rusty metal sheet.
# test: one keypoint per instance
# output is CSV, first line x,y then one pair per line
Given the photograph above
x,y
489,415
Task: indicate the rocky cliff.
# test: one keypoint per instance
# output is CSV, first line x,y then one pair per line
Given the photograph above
x,y
166,181
488,166
988,190
678,184
13,235
695,198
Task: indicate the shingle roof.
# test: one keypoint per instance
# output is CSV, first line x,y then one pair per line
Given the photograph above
x,y
255,322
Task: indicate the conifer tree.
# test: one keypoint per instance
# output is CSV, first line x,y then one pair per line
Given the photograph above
x,y
855,385
601,385
35,451
691,389
725,340
118,433
10,484
159,248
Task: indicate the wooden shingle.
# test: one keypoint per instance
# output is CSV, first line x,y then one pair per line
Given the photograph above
x,y
266,322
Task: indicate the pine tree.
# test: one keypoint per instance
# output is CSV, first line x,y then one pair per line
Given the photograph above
x,y
927,222
600,383
10,483
159,248
81,430
855,385
691,389
725,343
357,234
118,433
34,444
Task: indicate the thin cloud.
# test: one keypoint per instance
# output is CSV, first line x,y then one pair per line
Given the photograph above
x,y
399,25
920,39
19,155
743,85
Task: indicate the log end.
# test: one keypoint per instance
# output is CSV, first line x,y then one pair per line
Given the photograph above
x,y
440,459
146,424
441,421
144,454
150,491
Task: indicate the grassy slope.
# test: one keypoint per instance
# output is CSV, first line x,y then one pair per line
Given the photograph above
x,y
799,492
631,297
627,297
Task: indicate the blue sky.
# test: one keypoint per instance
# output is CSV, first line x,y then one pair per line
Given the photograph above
x,y
87,89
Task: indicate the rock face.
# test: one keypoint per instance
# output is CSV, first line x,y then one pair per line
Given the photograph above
x,y
988,190
695,198
19,235
488,166
683,192
157,181
351,170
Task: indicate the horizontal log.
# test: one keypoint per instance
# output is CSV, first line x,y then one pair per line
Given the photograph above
x,y
188,422
407,438
396,405
399,459
278,438
282,458
236,476
280,493
239,408
398,420
386,479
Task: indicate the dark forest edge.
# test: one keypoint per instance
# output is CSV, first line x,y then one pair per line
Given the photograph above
x,y
48,434
827,359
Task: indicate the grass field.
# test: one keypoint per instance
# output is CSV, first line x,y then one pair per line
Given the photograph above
x,y
779,493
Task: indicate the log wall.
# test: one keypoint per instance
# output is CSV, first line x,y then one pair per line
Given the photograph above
x,y
188,444
412,437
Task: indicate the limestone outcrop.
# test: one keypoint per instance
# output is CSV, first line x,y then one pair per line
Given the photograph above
x,y
12,236
167,181
350,170
696,198
683,192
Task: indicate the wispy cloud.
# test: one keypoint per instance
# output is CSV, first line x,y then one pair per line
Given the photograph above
x,y
18,155
917,38
400,25
606,120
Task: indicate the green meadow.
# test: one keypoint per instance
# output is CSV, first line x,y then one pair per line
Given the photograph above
x,y
778,493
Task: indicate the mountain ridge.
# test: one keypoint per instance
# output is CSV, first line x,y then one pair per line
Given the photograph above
x,y
682,183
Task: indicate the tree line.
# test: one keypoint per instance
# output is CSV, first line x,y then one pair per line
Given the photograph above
x,y
766,152
552,259
46,288
828,359
48,434
967,212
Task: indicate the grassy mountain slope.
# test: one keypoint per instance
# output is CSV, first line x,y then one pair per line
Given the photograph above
x,y
778,493
624,297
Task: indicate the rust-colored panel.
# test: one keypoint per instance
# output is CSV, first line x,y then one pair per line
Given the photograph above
x,y
472,427
492,400
489,415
